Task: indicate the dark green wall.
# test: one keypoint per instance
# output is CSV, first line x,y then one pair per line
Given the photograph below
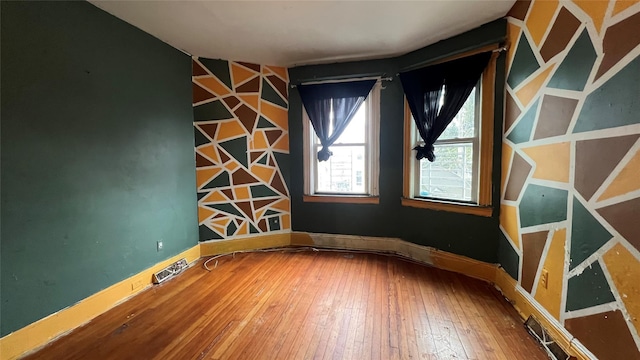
x,y
97,155
468,235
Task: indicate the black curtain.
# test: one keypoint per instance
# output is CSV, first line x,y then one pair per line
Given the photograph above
x,y
423,88
331,107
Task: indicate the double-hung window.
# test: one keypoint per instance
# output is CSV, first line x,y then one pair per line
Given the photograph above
x,y
351,173
459,179
454,174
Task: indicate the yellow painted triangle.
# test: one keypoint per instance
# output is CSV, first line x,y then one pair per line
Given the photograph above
x,y
281,205
214,85
531,89
259,141
214,196
539,18
552,161
221,229
595,9
627,180
204,175
275,114
231,165
550,297
230,129
221,222
266,71
243,229
262,172
260,212
210,152
509,222
282,144
204,213
240,74
622,5
251,100
280,71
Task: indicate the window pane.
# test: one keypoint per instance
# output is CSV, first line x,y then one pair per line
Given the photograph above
x,y
355,133
463,125
343,172
451,175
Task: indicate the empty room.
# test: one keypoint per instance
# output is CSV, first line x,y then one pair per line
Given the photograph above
x,y
320,179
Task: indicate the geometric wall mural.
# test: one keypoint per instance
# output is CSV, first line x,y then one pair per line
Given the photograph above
x,y
241,148
571,189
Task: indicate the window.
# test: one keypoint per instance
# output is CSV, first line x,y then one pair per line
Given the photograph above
x,y
351,173
453,176
460,177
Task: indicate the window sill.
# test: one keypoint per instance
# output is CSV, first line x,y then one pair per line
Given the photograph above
x,y
343,199
485,211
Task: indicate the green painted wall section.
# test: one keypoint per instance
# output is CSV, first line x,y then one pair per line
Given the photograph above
x,y
524,63
509,259
587,234
576,67
622,89
588,289
97,155
468,235
536,197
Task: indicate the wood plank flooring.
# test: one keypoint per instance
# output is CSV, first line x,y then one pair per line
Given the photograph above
x,y
306,305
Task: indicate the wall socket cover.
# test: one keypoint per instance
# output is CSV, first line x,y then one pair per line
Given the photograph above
x,y
160,245
544,278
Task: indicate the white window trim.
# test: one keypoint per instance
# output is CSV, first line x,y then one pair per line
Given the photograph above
x,y
372,152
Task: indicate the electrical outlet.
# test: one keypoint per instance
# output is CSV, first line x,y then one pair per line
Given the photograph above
x,y
160,245
544,278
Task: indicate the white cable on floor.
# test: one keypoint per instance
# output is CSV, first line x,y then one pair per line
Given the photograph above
x,y
309,248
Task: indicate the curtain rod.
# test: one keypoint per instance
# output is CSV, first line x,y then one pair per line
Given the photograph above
x,y
330,81
383,77
455,57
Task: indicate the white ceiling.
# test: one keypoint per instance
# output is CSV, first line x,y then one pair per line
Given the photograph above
x,y
288,33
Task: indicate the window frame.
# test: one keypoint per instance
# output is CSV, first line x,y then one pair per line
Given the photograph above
x,y
474,141
485,107
372,158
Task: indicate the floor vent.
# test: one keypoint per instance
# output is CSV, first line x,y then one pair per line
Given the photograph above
x,y
553,349
170,271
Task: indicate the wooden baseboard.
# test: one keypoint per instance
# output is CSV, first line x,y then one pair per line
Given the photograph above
x,y
37,334
464,265
216,247
346,242
527,306
424,254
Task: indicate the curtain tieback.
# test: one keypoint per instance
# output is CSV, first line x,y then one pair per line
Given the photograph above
x,y
324,154
425,151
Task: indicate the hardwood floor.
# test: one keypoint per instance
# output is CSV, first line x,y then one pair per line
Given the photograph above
x,y
304,305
